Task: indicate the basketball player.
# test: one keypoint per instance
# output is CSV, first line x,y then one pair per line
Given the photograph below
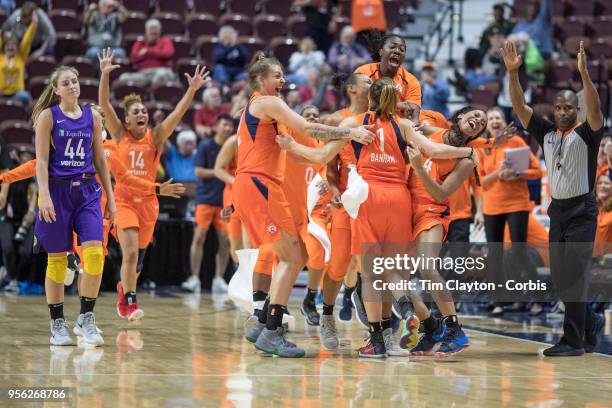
x,y
382,166
139,147
69,153
257,195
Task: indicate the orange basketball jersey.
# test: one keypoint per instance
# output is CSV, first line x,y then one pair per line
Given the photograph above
x,y
258,153
141,158
382,161
407,84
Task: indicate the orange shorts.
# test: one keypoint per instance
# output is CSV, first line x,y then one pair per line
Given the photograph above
x,y
340,237
314,249
384,218
233,226
263,209
267,258
206,214
138,213
425,216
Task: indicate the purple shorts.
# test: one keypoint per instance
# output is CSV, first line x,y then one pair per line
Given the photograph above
x,y
77,208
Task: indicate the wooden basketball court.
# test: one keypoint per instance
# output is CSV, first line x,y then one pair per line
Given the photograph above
x,y
190,352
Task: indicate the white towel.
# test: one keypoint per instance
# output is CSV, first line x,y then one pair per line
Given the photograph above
x,y
356,193
313,228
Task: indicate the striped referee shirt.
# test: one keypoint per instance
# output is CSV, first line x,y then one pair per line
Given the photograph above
x,y
570,156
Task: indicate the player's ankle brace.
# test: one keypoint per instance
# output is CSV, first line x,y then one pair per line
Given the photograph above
x,y
93,258
56,268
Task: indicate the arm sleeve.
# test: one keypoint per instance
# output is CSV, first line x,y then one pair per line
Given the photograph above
x,y
538,127
23,172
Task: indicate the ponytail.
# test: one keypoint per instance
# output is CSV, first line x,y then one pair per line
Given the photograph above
x,y
260,66
48,96
383,97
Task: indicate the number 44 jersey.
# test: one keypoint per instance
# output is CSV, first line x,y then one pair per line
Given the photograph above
x,y
71,141
141,158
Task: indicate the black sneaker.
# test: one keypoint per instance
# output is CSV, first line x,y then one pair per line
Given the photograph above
x,y
591,337
309,310
562,349
346,313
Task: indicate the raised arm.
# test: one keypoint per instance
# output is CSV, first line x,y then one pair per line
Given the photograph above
x,y
224,158
99,161
453,181
513,62
276,109
432,149
591,98
112,122
42,141
164,130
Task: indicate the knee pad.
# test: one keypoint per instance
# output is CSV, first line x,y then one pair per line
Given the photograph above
x,y
93,259
140,262
56,268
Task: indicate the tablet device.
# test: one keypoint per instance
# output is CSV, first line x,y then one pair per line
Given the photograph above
x,y
518,158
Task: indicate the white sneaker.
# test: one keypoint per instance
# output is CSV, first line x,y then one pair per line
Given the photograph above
x,y
86,327
219,285
193,284
78,331
59,333
12,287
391,345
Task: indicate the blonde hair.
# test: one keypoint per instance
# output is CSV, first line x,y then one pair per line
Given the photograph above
x,y
129,100
384,96
48,96
260,66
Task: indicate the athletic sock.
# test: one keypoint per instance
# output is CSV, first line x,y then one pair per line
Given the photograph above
x,y
259,298
263,314
386,323
451,321
57,311
430,324
275,316
130,297
328,310
87,304
310,296
376,327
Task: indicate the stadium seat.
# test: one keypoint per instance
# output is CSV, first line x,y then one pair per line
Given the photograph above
x,y
89,88
66,4
571,45
68,43
205,45
598,71
268,26
485,95
182,47
124,66
240,22
296,26
252,44
66,19
600,48
187,66
279,7
134,23
120,89
17,131
601,26
37,84
560,73
172,6
207,6
169,92
282,48
12,110
172,23
83,64
153,106
41,66
143,6
249,8
569,27
202,24
580,7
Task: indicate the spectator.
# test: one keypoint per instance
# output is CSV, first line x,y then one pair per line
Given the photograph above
x,y
152,57
538,26
205,118
503,99
316,92
345,55
367,18
500,24
320,20
230,58
294,101
307,59
603,195
104,28
7,6
435,90
180,159
491,61
13,58
19,21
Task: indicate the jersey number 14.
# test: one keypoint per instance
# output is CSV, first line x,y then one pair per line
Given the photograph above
x,y
137,159
71,152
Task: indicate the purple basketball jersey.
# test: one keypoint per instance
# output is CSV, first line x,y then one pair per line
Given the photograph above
x,y
71,152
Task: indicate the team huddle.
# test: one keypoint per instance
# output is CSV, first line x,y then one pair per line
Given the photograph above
x,y
412,161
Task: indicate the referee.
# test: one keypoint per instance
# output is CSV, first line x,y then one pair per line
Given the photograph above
x,y
570,152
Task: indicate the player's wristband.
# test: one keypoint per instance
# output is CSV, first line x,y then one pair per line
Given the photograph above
x,y
157,189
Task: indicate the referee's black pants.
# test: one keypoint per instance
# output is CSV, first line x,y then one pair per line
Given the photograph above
x,y
573,223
